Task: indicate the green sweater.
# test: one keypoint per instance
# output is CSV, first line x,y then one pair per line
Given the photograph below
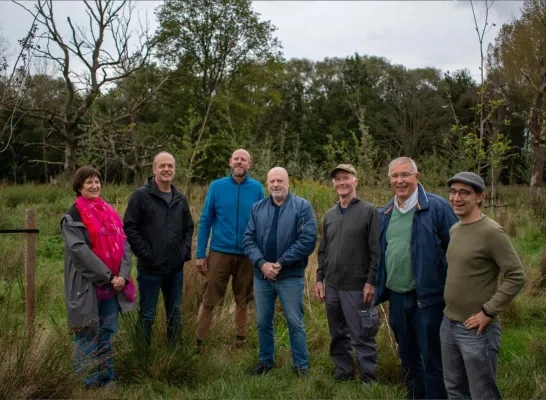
x,y
477,254
400,277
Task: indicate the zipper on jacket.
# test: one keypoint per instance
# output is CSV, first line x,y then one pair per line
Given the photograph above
x,y
237,220
411,257
339,242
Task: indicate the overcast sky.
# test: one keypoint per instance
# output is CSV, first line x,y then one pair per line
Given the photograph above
x,y
413,33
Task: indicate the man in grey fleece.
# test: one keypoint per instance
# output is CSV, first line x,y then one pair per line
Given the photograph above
x,y
347,263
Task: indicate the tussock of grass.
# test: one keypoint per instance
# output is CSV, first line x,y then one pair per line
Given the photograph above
x,y
35,368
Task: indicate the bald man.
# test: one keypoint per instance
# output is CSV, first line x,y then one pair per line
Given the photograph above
x,y
281,234
225,213
159,228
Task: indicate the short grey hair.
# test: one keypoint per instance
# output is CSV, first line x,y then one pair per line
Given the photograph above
x,y
403,160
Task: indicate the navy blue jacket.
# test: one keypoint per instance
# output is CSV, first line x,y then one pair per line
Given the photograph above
x,y
226,212
296,237
429,239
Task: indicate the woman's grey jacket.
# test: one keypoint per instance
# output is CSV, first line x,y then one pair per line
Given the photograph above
x,y
83,272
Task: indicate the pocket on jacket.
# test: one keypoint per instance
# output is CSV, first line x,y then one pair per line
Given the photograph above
x,y
369,322
76,296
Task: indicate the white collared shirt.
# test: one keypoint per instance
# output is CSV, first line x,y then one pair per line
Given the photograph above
x,y
409,203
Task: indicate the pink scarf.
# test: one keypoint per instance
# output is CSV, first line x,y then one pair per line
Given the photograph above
x,y
107,239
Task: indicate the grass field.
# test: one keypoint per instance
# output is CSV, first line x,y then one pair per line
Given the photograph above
x,y
41,368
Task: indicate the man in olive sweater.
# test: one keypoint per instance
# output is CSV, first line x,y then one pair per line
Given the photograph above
x,y
478,252
347,263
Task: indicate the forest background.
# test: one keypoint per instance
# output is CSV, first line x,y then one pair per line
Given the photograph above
x,y
212,78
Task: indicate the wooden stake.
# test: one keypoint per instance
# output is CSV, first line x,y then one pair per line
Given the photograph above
x,y
30,269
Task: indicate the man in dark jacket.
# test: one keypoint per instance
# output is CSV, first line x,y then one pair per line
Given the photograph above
x,y
347,260
412,274
159,228
281,234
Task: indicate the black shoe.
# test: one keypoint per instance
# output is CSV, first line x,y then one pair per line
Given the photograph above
x,y
341,375
199,347
366,380
301,373
260,368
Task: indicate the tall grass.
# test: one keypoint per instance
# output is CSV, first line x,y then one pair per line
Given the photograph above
x,y
41,367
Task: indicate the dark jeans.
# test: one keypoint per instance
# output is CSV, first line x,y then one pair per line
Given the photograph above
x,y
347,332
470,361
93,356
171,286
417,331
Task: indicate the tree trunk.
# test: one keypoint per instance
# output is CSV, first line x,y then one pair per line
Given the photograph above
x,y
69,161
537,142
44,154
538,166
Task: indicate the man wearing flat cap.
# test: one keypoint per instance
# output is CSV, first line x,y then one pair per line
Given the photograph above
x,y
478,253
347,266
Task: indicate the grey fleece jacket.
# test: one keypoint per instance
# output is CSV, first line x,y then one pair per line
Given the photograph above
x,y
349,248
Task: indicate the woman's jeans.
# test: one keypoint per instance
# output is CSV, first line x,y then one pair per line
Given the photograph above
x,y
93,356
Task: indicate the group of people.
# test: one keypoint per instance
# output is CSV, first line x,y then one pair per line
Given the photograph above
x,y
436,262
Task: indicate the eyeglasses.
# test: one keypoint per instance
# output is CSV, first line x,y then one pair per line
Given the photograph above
x,y
463,194
403,175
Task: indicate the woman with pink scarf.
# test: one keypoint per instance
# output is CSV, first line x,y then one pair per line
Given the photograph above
x,y
97,282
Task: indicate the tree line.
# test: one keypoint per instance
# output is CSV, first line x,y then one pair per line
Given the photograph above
x,y
213,78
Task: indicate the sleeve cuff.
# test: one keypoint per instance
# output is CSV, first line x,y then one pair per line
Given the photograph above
x,y
260,262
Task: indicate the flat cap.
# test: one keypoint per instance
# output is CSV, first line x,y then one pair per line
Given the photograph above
x,y
343,167
470,178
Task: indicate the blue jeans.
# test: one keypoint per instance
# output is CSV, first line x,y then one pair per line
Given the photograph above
x,y
171,286
93,356
470,361
290,292
417,331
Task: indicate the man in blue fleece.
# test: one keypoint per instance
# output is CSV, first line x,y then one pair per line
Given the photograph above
x,y
226,213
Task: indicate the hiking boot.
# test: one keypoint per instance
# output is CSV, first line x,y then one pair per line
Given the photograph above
x,y
366,380
301,373
341,375
199,347
239,344
260,369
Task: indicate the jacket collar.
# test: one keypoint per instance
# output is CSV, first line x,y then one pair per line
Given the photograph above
x,y
285,200
232,180
422,200
353,201
155,188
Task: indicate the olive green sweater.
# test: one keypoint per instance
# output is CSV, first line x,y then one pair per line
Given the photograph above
x,y
477,254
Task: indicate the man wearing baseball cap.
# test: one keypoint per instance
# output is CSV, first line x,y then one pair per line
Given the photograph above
x,y
347,266
478,252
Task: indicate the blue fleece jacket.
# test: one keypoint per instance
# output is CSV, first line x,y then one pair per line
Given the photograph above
x,y
226,212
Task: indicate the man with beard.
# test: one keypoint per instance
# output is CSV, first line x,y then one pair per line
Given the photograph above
x,y
411,274
281,234
159,228
226,212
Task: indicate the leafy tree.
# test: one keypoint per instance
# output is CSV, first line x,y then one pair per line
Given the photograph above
x,y
518,55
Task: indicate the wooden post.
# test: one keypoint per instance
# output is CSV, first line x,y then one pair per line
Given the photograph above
x,y
30,268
